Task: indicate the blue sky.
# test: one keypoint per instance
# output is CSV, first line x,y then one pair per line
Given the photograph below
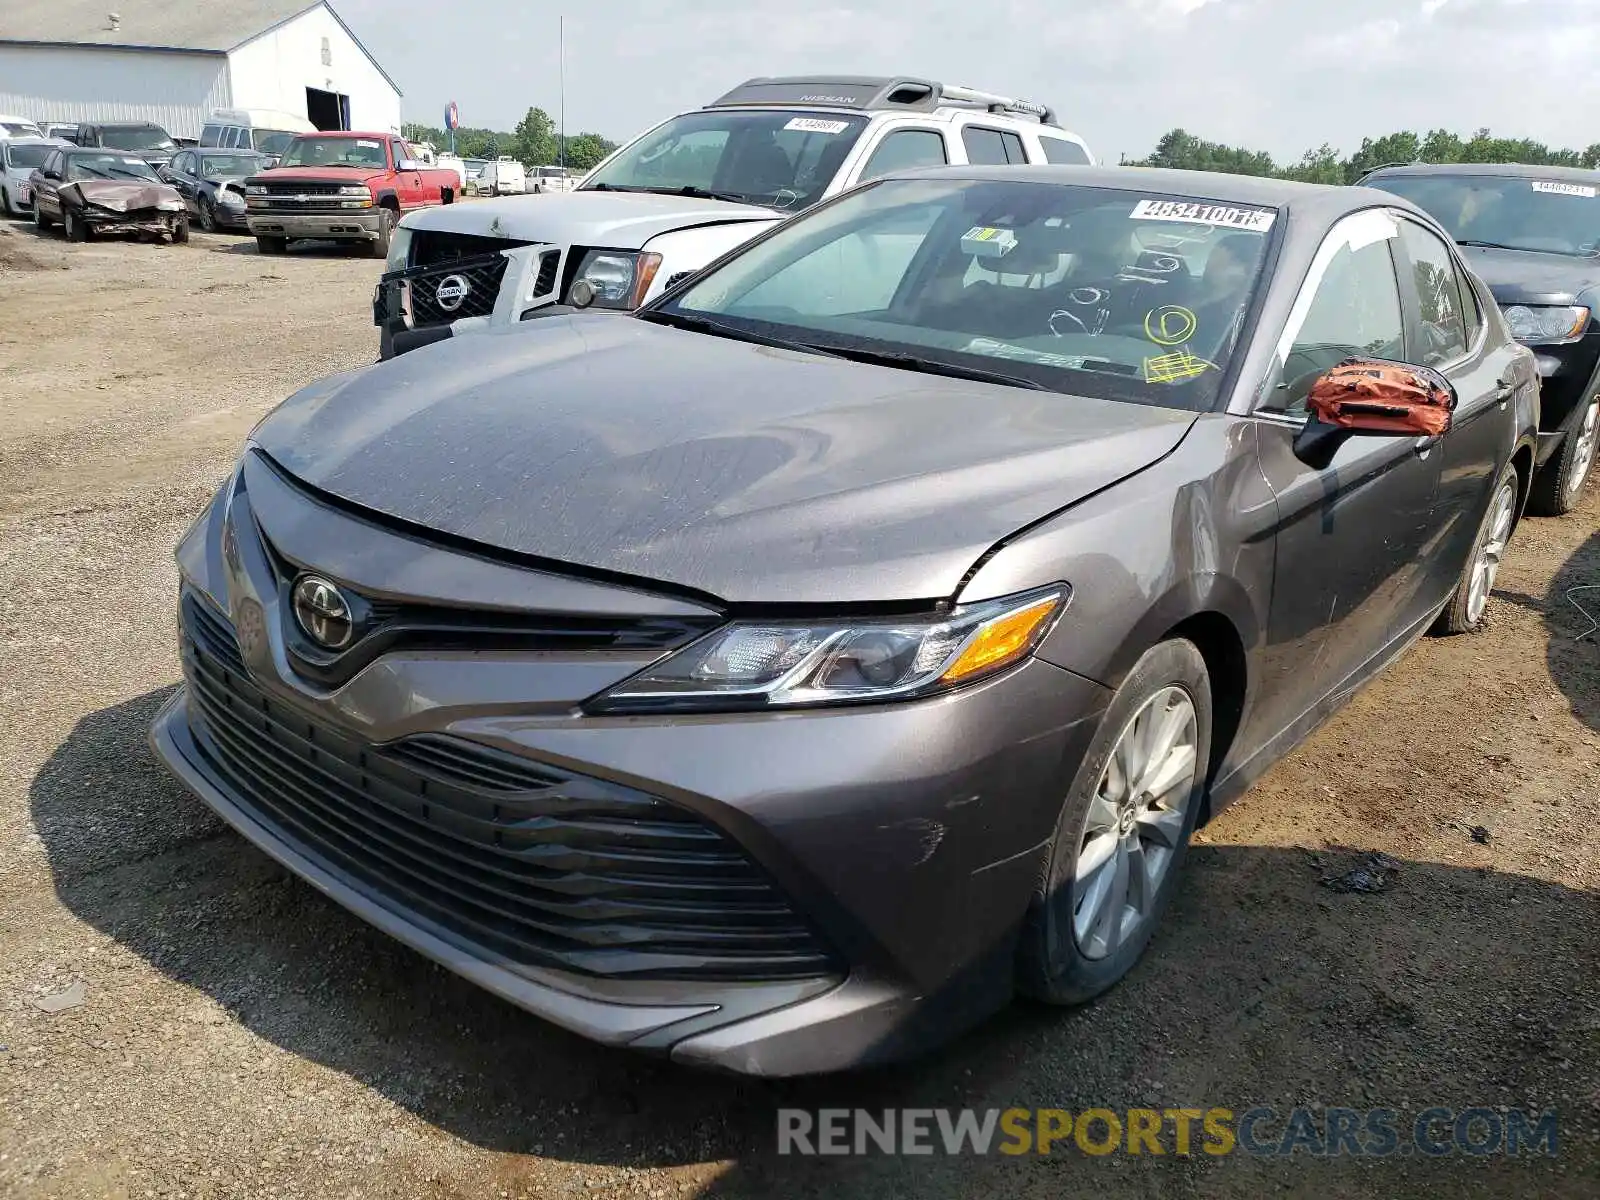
x,y
1280,75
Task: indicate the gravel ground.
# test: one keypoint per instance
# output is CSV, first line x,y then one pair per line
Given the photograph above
x,y
240,1036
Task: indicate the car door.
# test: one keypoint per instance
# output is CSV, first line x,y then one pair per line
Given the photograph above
x,y
1444,313
184,175
408,184
46,196
1352,572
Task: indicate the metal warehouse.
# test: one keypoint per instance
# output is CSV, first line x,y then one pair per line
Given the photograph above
x,y
171,64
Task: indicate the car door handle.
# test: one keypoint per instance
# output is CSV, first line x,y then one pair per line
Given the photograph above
x,y
1424,445
1504,390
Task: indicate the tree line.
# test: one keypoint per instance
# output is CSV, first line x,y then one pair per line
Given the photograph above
x,y
533,142
1325,164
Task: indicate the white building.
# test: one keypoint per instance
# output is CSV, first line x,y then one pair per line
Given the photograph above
x,y
172,63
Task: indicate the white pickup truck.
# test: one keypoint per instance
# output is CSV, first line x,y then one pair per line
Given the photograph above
x,y
686,192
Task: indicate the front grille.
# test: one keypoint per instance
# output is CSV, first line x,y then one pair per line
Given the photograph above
x,y
529,864
303,189
482,276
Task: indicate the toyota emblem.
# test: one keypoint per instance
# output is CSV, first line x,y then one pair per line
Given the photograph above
x,y
452,292
323,613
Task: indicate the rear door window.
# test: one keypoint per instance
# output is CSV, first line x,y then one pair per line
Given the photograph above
x,y
211,135
992,147
1438,292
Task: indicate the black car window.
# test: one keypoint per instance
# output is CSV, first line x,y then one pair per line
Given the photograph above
x,y
211,135
904,149
991,147
183,164
52,165
1061,150
1354,310
1438,291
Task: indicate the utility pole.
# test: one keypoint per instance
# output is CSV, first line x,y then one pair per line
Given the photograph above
x,y
561,68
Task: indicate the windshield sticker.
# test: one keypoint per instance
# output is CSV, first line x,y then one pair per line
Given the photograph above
x,y
1178,367
816,125
1170,325
1566,189
1220,215
996,349
984,241
366,145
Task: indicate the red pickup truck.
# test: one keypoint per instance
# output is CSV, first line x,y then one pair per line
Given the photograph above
x,y
342,186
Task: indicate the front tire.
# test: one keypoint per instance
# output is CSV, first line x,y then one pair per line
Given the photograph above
x,y
1558,487
180,231
379,248
208,215
271,245
40,221
75,229
1470,601
1123,831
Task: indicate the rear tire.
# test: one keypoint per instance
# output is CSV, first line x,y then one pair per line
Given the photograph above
x,y
1123,831
271,245
1558,486
1469,604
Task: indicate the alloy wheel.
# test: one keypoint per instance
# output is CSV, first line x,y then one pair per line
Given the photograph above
x,y
1492,550
1583,450
208,218
1135,823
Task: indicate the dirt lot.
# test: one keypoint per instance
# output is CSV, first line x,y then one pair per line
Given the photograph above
x,y
241,1036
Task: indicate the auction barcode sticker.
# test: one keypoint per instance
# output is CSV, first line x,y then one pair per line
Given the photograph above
x,y
1566,189
816,125
1225,216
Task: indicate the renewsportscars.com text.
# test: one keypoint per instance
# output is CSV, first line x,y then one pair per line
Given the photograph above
x,y
1262,1131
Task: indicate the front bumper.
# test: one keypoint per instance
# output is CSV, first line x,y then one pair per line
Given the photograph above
x,y
141,221
1567,377
357,224
908,837
505,287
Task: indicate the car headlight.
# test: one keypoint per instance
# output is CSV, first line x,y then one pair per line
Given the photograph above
x,y
399,249
255,189
1546,325
618,278
790,664
354,189
229,197
170,205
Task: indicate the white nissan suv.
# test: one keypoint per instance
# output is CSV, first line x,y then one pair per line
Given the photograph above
x,y
686,192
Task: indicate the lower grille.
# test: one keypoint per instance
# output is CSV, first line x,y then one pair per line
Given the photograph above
x,y
537,866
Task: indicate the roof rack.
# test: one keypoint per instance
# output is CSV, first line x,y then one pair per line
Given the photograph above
x,y
874,93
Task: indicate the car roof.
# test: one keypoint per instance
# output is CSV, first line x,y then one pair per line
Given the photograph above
x,y
37,141
1509,170
1314,199
76,151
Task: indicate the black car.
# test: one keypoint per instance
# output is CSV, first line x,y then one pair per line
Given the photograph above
x,y
1533,235
782,676
144,138
211,183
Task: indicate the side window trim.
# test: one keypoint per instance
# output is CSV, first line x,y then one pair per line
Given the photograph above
x,y
1353,232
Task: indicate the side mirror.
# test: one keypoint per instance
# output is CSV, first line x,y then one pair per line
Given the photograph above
x,y
409,164
1373,398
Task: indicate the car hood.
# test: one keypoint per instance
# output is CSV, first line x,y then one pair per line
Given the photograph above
x,y
1523,277
743,472
132,195
620,220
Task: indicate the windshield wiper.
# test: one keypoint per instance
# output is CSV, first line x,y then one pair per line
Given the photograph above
x,y
706,325
698,193
911,362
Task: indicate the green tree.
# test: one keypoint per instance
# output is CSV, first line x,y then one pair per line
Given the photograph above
x,y
585,150
534,139
1322,165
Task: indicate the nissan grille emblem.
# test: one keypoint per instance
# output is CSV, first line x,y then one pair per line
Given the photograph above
x,y
323,612
452,292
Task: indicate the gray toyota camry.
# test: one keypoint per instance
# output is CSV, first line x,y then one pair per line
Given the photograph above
x,y
783,676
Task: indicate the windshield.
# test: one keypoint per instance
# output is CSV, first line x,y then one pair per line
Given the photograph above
x,y
272,141
781,159
109,166
1120,294
333,152
219,166
1550,215
136,137
27,156
19,129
